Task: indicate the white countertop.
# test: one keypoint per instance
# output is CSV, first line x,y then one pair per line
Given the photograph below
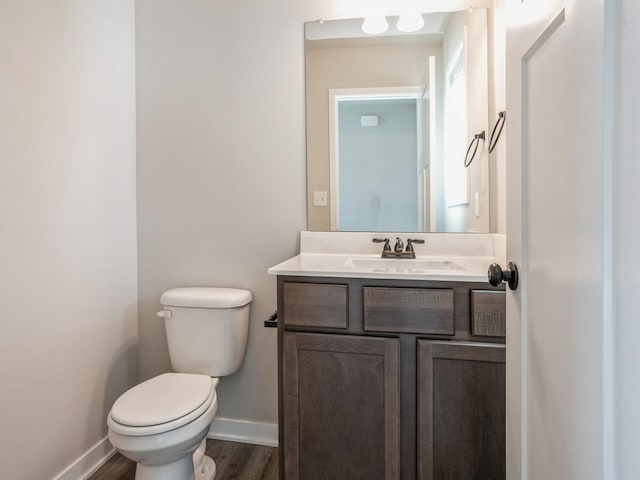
x,y
443,257
472,269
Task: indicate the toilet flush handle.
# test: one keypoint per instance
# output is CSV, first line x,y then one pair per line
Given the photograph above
x,y
164,313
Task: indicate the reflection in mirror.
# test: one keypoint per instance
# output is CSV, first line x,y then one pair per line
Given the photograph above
x,y
389,120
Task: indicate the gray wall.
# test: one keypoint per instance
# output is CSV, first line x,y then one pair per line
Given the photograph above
x,y
221,177
68,344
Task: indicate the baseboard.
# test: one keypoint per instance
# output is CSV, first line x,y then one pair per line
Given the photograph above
x,y
89,462
244,431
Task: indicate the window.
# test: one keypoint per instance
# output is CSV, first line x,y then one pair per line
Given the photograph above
x,y
455,132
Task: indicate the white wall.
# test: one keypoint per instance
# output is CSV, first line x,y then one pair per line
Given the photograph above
x,y
221,164
68,232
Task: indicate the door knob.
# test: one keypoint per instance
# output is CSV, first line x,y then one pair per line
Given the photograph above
x,y
497,275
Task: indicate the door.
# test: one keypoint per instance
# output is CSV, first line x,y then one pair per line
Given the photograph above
x,y
461,411
341,407
555,349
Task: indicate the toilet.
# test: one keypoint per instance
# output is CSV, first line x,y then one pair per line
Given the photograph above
x,y
162,423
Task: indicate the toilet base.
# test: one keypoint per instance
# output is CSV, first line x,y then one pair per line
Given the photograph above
x,y
204,467
206,470
180,469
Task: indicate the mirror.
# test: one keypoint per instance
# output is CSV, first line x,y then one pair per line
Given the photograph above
x,y
389,120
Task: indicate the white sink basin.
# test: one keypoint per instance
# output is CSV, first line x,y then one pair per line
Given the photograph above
x,y
410,265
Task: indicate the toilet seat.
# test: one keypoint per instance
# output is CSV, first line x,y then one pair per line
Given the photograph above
x,y
161,404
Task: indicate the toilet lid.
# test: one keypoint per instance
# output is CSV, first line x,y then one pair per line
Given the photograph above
x,y
162,399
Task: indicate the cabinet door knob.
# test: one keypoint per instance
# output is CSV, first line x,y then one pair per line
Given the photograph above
x,y
497,275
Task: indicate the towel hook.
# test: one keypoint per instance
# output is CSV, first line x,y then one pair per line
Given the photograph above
x,y
476,140
502,118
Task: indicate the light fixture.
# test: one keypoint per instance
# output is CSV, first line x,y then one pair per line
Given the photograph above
x,y
410,22
375,24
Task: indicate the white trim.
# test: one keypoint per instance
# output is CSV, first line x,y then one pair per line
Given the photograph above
x,y
467,89
255,433
376,93
608,259
434,160
333,161
244,431
87,464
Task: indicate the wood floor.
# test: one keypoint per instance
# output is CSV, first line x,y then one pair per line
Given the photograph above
x,y
233,461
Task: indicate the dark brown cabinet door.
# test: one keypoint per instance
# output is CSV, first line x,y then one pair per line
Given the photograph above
x,y
341,407
461,411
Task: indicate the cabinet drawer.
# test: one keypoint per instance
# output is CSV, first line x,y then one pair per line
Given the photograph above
x,y
315,305
408,310
488,313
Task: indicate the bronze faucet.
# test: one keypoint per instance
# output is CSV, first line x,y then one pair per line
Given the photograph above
x,y
399,250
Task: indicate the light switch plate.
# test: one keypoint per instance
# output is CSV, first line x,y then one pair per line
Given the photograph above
x,y
319,199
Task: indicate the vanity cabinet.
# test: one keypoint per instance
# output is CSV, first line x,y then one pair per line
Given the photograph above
x,y
390,379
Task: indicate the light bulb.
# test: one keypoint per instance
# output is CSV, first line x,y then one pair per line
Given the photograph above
x,y
375,24
410,22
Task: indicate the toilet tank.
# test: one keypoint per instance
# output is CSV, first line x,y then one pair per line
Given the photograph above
x,y
206,328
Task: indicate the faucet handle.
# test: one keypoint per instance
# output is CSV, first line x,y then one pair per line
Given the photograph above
x,y
387,247
411,241
399,246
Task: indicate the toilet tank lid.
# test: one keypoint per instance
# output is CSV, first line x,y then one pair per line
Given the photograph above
x,y
206,297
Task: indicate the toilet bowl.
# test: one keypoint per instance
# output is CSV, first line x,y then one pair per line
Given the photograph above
x,y
161,423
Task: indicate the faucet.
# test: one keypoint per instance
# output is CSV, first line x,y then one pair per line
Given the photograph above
x,y
399,246
399,250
